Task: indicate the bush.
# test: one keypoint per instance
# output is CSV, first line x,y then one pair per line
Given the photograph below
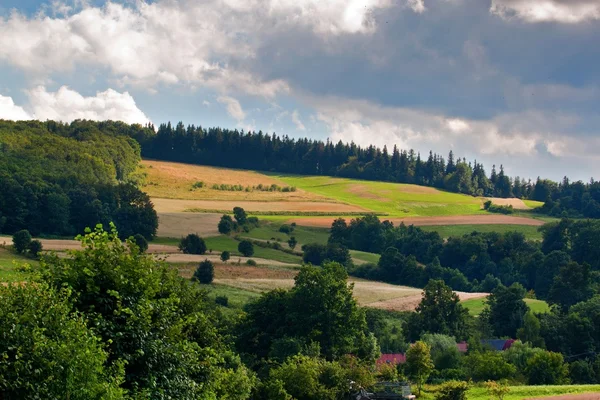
x,y
192,244
494,208
452,390
21,241
225,256
205,272
140,242
35,248
547,368
198,185
246,248
497,390
252,263
226,225
222,301
287,229
292,242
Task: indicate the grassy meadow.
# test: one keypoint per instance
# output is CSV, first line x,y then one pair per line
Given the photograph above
x,y
521,392
9,266
476,306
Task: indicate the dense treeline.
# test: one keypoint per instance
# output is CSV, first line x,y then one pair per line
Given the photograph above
x,y
480,261
56,178
259,151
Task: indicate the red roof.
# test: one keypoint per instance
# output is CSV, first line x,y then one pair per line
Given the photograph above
x,y
508,344
462,347
394,359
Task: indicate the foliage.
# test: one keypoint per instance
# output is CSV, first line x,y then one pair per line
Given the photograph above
x,y
251,262
494,208
507,309
547,368
240,215
497,390
292,242
225,255
530,331
140,242
444,351
222,301
571,286
35,248
317,254
205,272
486,365
418,363
47,351
452,390
192,244
226,225
165,329
21,241
246,248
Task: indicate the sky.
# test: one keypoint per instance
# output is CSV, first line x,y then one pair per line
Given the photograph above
x,y
511,82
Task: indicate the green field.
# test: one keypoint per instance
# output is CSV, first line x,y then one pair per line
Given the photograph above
x,y
304,235
446,231
476,306
533,203
364,256
521,392
9,263
394,199
237,297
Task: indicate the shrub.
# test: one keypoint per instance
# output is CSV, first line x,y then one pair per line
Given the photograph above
x,y
494,208
192,244
141,242
198,185
496,390
226,225
287,229
225,256
205,272
452,390
292,242
252,263
240,215
21,241
35,248
547,368
246,248
222,301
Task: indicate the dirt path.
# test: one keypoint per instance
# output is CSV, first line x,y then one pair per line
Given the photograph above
x,y
175,205
582,396
483,219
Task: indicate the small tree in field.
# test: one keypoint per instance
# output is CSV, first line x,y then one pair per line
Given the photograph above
x,y
225,256
192,244
292,242
35,248
205,272
419,364
21,241
497,390
226,225
141,242
246,248
240,215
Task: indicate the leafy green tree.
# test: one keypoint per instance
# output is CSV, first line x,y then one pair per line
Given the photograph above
x,y
507,309
205,272
487,365
314,253
571,286
48,352
582,372
444,351
547,368
225,256
21,241
497,391
518,354
452,390
240,215
292,242
439,311
35,248
226,225
192,244
419,364
530,331
246,248
140,242
129,299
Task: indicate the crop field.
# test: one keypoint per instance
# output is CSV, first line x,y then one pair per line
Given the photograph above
x,y
476,306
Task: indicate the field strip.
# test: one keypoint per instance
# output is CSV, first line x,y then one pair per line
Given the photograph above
x,y
180,258
64,245
176,225
175,205
486,219
517,204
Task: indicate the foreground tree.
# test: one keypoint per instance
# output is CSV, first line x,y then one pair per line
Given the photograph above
x,y
47,352
164,328
21,241
419,364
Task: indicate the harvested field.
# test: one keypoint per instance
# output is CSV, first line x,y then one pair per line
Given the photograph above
x,y
179,258
175,181
409,303
176,225
175,205
483,219
517,204
582,396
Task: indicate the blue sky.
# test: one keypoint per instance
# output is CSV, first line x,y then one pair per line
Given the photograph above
x,y
511,82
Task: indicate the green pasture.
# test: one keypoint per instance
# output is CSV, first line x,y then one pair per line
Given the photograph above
x,y
479,392
394,199
304,235
364,256
476,306
446,231
9,263
237,297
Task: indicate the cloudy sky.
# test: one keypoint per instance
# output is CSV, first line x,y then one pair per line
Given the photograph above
x,y
513,82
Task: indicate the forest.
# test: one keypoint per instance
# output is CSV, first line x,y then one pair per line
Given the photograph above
x,y
57,179
264,152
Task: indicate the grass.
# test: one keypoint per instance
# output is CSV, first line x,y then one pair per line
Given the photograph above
x,y
476,306
533,203
237,297
395,199
226,243
520,392
304,235
9,263
445,231
364,256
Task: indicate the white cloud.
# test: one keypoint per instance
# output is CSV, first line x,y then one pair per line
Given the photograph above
x,y
68,105
563,11
296,120
206,103
417,6
234,108
10,111
457,125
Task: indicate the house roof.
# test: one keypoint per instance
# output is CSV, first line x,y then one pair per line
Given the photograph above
x,y
462,347
498,344
394,359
